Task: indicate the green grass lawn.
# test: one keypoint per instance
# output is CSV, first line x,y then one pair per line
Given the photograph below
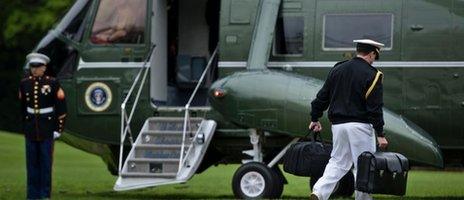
x,y
79,175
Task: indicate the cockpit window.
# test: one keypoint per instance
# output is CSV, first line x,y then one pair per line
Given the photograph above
x,y
120,21
341,29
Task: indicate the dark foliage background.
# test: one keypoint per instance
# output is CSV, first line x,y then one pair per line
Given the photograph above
x,y
22,24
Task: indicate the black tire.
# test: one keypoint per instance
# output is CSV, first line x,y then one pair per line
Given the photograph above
x,y
344,188
280,180
260,172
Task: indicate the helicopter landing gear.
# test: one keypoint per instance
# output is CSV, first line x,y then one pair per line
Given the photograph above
x,y
254,179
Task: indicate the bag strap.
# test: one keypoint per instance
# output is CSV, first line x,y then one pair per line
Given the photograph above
x,y
316,134
313,136
404,165
393,162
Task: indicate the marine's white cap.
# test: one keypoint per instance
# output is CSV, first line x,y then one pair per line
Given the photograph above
x,y
37,58
378,45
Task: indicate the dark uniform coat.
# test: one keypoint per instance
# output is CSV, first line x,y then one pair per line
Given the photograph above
x,y
353,93
43,107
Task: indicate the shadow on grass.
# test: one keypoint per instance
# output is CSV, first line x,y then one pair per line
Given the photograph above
x,y
148,195
423,198
129,196
390,197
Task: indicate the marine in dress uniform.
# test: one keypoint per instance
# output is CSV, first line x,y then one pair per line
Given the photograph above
x,y
353,94
44,110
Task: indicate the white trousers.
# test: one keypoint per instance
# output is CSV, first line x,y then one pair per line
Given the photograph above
x,y
349,141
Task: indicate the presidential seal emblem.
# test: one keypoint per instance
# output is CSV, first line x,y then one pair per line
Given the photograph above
x,y
98,97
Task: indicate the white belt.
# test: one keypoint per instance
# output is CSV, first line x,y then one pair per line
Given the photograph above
x,y
40,111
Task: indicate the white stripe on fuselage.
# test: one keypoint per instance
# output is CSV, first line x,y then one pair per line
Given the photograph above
x,y
329,64
309,64
83,64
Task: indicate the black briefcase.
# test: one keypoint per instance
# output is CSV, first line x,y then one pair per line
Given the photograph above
x,y
382,173
307,158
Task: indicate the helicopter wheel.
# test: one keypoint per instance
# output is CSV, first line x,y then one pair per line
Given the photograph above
x,y
255,180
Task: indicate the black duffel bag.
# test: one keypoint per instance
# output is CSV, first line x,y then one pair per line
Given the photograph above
x,y
307,158
382,173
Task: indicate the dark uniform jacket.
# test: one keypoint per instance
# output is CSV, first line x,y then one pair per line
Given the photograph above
x,y
43,107
353,93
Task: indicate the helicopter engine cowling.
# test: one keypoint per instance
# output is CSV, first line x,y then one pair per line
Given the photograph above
x,y
279,102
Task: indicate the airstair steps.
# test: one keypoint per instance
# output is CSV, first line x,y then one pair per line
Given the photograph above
x,y
151,175
159,146
172,124
166,132
150,166
162,140
165,137
155,157
156,151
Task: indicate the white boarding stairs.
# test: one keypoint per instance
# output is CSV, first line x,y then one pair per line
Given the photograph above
x,y
158,156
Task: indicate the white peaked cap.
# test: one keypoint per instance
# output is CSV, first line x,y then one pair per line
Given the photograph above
x,y
37,58
369,42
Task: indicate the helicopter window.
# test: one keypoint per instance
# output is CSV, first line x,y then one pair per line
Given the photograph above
x,y
120,21
341,29
289,36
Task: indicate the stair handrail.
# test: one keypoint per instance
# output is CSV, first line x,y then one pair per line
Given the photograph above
x,y
187,114
126,120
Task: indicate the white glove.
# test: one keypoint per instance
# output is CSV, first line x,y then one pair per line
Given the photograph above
x,y
56,135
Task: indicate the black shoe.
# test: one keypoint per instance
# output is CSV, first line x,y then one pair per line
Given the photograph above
x,y
313,197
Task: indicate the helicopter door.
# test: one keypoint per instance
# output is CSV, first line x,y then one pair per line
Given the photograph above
x,y
115,43
193,32
119,32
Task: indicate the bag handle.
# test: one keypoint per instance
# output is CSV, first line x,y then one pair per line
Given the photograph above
x,y
314,137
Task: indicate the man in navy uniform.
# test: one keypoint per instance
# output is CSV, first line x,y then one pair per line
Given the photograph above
x,y
43,109
354,96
